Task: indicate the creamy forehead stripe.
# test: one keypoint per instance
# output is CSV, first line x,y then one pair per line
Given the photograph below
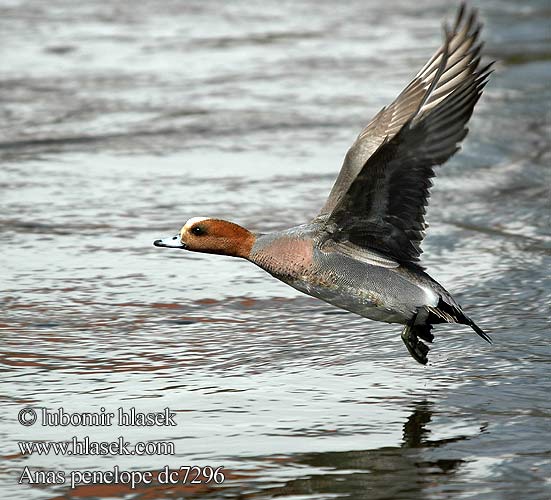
x,y
195,220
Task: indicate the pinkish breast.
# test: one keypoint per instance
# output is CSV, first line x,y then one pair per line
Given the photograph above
x,y
283,256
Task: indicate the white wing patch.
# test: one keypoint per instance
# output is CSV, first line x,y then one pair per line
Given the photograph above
x,y
359,253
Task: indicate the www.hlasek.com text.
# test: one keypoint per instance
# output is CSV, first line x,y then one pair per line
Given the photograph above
x,y
85,446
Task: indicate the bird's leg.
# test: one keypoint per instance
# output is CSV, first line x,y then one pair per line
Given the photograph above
x,y
410,336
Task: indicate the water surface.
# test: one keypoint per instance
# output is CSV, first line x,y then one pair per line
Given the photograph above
x,y
120,120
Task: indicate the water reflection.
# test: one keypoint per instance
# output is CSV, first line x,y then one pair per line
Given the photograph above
x,y
388,472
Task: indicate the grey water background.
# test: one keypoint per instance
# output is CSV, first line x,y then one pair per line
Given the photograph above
x,y
120,120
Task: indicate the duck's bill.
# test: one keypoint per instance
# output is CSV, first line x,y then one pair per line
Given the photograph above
x,y
170,242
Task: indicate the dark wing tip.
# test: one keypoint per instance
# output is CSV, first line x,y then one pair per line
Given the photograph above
x,y
460,15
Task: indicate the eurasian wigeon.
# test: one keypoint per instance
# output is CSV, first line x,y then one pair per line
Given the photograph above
x,y
361,252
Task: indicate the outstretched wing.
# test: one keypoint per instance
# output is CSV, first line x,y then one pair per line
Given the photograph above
x,y
379,198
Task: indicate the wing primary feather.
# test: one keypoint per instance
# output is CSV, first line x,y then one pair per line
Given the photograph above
x,y
380,197
439,72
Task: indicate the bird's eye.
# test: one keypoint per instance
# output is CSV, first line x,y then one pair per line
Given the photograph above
x,y
197,231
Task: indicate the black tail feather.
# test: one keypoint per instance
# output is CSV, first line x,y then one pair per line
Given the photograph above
x,y
446,312
478,330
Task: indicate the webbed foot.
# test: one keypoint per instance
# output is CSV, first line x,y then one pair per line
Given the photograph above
x,y
416,347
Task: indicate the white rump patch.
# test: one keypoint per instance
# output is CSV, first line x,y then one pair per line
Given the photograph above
x,y
432,296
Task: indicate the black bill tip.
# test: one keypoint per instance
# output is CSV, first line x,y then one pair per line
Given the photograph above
x,y
170,242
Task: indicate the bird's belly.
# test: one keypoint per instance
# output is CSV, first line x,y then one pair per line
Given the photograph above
x,y
366,303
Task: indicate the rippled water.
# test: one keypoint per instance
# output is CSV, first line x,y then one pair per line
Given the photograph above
x,y
120,120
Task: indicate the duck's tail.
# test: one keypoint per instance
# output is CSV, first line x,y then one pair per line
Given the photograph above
x,y
477,329
446,312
